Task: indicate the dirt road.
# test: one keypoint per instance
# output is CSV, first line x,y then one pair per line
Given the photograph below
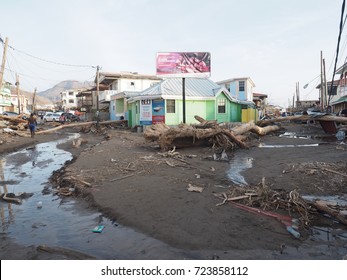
x,y
137,185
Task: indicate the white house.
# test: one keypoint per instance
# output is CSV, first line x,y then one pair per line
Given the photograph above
x,y
69,99
120,84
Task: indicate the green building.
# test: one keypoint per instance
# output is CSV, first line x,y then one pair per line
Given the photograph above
x,y
163,103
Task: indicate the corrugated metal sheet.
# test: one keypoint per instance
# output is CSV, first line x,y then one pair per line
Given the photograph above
x,y
193,87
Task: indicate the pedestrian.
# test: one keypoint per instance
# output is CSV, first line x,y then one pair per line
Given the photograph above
x,y
62,118
32,124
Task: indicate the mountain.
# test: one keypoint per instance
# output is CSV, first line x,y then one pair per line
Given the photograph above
x,y
54,92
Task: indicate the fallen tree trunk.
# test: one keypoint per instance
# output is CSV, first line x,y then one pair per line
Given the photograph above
x,y
204,123
264,130
243,128
206,132
251,126
232,136
152,133
79,124
304,118
64,126
183,136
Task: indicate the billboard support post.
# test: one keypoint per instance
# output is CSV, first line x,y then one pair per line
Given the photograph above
x,y
184,99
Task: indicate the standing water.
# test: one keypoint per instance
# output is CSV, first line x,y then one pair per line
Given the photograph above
x,y
46,219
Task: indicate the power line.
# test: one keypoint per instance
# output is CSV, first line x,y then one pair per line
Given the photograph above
x,y
15,66
53,62
49,61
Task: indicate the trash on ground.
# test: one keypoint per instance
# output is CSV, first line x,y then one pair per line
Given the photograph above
x,y
192,188
98,229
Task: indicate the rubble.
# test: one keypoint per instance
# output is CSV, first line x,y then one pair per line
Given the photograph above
x,y
205,133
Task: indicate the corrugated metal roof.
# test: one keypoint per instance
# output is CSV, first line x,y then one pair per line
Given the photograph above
x,y
340,100
108,78
194,87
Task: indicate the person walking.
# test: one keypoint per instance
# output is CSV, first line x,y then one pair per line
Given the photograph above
x,y
32,124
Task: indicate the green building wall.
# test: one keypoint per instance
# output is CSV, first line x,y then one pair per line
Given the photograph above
x,y
210,110
206,109
235,112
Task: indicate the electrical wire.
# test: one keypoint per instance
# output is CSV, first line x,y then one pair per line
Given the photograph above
x,y
28,59
48,61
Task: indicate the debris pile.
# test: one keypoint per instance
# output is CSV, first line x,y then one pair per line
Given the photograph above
x,y
12,126
14,123
265,198
204,133
298,212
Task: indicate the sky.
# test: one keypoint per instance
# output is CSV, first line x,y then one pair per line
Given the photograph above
x,y
274,42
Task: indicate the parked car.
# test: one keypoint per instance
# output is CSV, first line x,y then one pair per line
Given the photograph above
x,y
40,114
342,113
14,114
69,117
51,117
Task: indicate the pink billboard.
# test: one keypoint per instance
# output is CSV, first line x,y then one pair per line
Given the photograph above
x,y
184,64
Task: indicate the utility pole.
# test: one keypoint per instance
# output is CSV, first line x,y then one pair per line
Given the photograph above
x,y
322,88
33,110
97,95
184,99
325,85
3,63
17,90
297,90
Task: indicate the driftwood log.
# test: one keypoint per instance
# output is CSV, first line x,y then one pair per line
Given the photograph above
x,y
206,132
79,125
251,126
303,118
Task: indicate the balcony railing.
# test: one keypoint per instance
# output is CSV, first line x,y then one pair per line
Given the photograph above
x,y
106,95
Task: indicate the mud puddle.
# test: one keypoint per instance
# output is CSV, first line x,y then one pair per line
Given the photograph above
x,y
294,135
237,166
261,145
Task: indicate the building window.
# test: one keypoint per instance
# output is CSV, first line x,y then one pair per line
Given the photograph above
x,y
71,101
170,106
114,86
221,106
71,93
241,85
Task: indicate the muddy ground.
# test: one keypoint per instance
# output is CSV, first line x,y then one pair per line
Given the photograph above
x,y
137,185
